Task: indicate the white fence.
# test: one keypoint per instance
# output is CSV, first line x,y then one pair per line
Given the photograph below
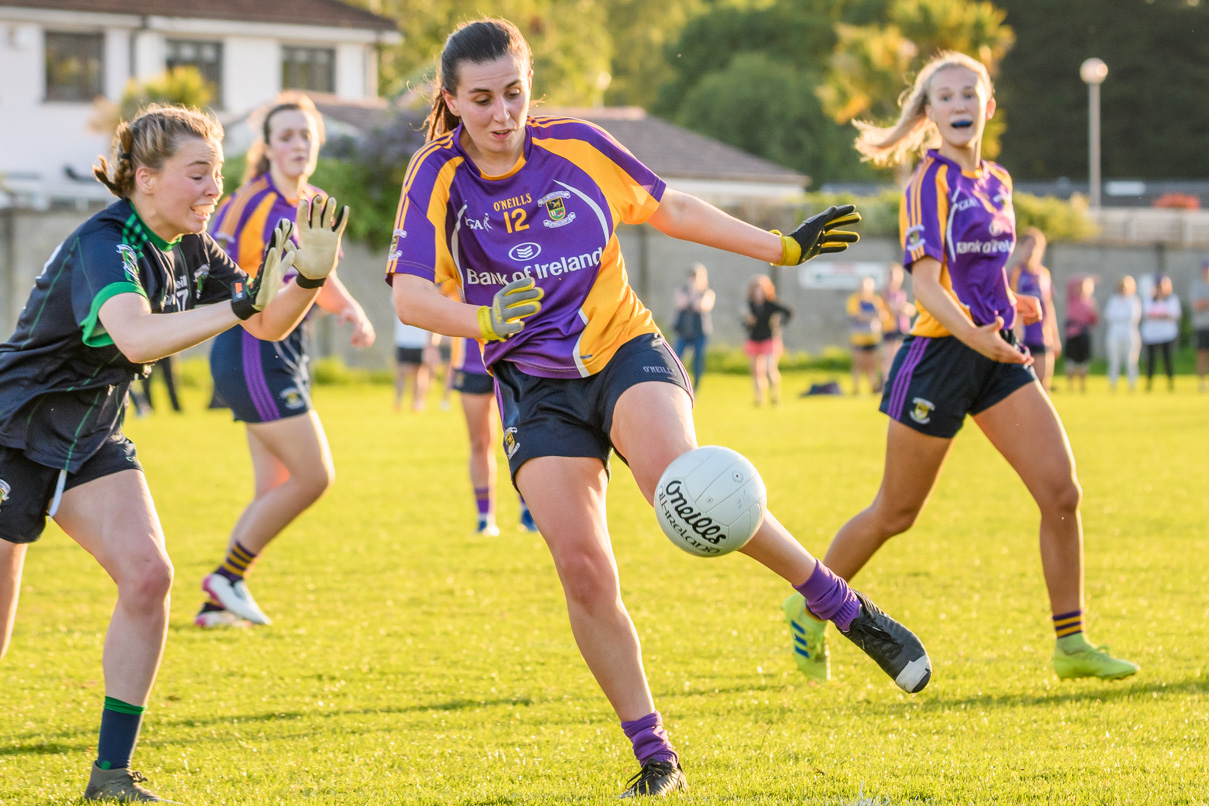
x,y
1147,225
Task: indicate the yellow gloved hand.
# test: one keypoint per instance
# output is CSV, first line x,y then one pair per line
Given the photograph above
x,y
817,235
514,302
320,227
278,258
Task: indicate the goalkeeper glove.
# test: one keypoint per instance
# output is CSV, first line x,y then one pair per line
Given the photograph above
x,y
251,299
514,302
319,231
818,234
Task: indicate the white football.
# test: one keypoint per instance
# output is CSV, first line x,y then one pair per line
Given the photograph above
x,y
710,501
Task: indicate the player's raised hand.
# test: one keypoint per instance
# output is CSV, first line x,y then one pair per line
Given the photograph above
x,y
512,303
819,234
278,258
321,222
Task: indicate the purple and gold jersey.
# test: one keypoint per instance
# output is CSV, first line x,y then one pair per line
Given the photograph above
x,y
245,221
468,357
1037,285
966,222
553,218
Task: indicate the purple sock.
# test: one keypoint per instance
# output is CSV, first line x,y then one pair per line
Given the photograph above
x,y
482,500
829,597
650,739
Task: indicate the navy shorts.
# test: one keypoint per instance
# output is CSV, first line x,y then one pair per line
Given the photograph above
x,y
27,488
573,416
935,382
1202,339
261,381
473,383
409,355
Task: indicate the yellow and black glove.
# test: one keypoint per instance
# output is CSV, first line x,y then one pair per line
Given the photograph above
x,y
818,234
278,258
518,300
321,222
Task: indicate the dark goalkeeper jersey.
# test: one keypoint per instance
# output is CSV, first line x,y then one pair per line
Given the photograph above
x,y
62,380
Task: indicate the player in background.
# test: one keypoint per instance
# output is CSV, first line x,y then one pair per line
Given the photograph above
x,y
415,354
266,384
867,318
521,213
138,281
900,309
1030,278
958,227
477,391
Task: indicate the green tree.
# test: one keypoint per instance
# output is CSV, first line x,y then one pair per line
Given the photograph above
x,y
180,85
571,45
1154,116
641,32
873,63
756,103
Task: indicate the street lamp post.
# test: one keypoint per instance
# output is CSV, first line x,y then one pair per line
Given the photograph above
x,y
1093,72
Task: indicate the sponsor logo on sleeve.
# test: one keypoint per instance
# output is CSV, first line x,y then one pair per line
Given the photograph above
x,y
130,261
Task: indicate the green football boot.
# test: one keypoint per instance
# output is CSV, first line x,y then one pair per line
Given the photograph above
x,y
809,636
1091,661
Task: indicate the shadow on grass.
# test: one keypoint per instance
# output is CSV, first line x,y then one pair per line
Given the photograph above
x,y
1073,691
85,741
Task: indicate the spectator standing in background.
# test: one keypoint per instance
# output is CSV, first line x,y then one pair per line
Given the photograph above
x,y
1160,328
900,310
763,317
1200,323
1122,315
1081,319
694,300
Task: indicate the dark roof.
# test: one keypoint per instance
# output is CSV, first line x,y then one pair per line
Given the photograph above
x,y
295,12
670,150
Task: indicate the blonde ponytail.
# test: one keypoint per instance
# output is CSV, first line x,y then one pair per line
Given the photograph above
x,y
913,132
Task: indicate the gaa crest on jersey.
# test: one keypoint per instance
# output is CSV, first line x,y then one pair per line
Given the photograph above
x,y
5,490
130,261
511,446
291,398
556,209
199,279
921,411
915,237
395,251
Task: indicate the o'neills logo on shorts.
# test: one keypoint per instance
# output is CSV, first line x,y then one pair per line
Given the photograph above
x,y
689,522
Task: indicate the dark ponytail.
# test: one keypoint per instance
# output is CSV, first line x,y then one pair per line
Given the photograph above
x,y
479,42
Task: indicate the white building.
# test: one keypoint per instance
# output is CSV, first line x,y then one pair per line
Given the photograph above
x,y
61,55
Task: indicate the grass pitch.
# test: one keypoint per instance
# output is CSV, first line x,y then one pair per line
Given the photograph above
x,y
411,662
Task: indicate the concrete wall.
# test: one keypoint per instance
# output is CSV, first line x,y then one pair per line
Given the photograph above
x,y
657,266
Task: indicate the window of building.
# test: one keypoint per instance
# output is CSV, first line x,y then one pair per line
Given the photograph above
x,y
73,66
308,69
205,56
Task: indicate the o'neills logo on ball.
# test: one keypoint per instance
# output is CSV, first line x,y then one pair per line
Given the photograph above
x,y
692,526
